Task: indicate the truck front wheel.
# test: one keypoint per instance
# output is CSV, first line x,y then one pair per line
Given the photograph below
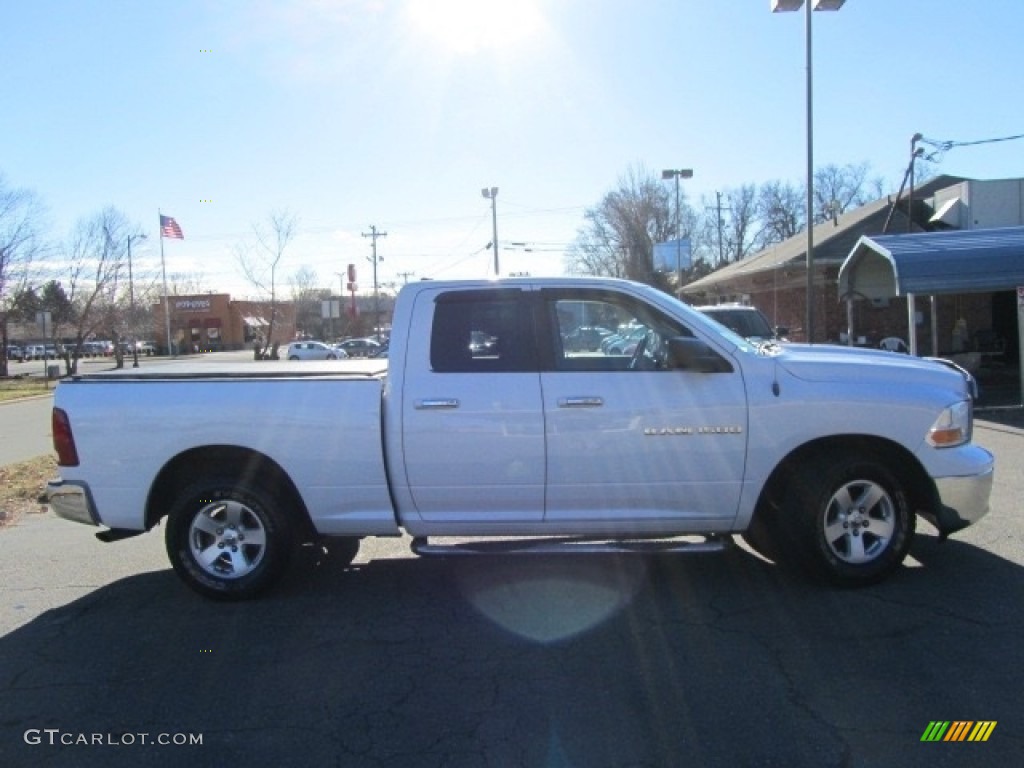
x,y
848,521
228,540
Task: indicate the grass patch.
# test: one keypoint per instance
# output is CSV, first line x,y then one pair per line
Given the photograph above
x,y
18,387
22,486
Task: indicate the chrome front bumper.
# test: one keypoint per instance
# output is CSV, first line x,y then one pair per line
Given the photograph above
x,y
71,501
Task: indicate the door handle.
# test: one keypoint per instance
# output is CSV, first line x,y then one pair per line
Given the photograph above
x,y
436,403
580,402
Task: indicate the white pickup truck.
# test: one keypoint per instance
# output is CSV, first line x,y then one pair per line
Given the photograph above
x,y
483,425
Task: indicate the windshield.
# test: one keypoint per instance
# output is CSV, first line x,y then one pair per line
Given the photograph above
x,y
746,321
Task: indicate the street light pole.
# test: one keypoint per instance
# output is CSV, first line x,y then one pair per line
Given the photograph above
x,y
782,6
682,173
131,299
492,195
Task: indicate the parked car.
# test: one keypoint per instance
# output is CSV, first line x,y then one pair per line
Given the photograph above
x,y
749,322
359,347
34,352
624,343
313,350
91,349
147,348
586,338
14,352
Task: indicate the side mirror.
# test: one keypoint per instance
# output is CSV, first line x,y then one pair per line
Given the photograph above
x,y
690,354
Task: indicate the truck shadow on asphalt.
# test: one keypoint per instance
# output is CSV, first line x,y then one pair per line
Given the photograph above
x,y
535,661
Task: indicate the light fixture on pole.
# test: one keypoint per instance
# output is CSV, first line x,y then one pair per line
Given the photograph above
x,y
131,300
492,195
682,173
782,6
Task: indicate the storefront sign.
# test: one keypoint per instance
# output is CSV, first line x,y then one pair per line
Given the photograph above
x,y
192,305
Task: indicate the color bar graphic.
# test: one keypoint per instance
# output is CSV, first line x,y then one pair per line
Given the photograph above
x,y
958,730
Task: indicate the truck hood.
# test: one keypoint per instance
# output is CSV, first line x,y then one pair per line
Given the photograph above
x,y
833,363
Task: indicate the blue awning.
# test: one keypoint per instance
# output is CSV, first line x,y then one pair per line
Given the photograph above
x,y
928,263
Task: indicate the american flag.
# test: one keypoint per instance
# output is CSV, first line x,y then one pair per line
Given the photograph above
x,y
169,228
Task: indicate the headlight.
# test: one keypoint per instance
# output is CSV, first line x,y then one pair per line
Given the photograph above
x,y
952,427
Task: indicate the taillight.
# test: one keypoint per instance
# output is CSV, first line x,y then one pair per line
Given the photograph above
x,y
63,440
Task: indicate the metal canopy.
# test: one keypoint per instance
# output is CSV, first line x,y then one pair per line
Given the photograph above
x,y
960,261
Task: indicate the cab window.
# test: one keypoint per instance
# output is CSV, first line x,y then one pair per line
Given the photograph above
x,y
603,331
481,331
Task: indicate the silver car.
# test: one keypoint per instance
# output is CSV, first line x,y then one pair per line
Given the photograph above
x,y
313,350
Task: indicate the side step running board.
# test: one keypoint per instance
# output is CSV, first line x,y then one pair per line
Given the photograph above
x,y
562,545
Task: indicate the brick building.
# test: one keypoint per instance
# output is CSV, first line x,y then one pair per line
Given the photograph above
x,y
213,321
775,280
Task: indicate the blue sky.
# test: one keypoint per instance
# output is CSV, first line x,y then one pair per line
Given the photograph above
x,y
396,113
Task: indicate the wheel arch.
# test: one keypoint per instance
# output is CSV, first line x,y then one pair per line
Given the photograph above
x,y
922,494
242,464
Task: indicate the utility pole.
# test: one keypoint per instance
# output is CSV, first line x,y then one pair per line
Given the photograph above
x,y
405,277
492,195
374,234
718,208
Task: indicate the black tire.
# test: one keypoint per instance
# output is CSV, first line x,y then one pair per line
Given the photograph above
x,y
846,520
228,540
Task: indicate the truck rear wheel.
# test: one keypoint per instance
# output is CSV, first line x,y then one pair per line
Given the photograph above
x,y
228,540
847,520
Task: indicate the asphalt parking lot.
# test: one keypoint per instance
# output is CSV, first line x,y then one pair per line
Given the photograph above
x,y
601,661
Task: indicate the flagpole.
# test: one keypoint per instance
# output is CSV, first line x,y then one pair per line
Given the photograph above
x,y
163,267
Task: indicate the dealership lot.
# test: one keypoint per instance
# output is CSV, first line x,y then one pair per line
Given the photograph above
x,y
710,660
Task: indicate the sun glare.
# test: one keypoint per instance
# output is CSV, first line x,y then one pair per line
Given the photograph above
x,y
472,26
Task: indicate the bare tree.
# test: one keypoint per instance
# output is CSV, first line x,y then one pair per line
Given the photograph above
x,y
618,237
743,229
260,260
756,217
307,298
781,207
597,249
21,223
96,256
836,190
182,284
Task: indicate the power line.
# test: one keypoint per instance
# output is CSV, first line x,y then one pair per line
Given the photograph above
x,y
941,147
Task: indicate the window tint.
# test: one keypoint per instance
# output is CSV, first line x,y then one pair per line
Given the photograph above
x,y
484,332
